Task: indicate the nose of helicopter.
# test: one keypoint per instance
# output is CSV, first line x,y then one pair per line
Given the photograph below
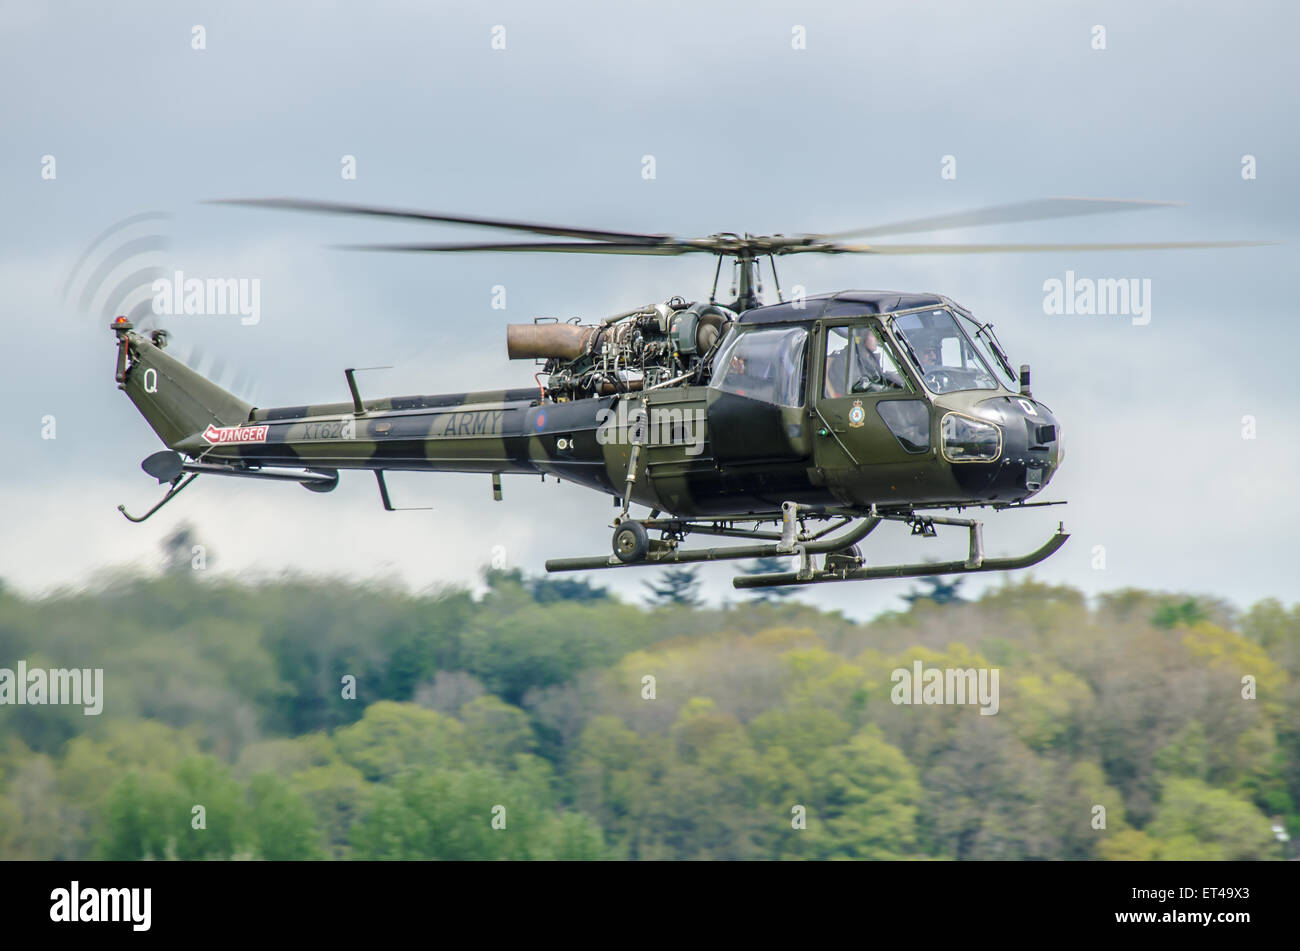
x,y
1031,451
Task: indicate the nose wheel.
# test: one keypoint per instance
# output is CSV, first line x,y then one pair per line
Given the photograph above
x,y
631,543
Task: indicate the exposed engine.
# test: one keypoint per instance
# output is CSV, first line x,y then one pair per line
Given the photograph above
x,y
652,345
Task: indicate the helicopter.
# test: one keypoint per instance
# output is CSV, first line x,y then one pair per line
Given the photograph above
x,y
795,427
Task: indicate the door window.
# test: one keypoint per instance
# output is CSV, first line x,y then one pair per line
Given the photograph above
x,y
858,360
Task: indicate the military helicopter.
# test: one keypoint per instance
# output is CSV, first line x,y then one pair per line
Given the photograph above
x,y
797,427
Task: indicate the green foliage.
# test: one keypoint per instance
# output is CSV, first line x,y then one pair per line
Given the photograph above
x,y
545,590
218,830
865,796
1185,613
282,825
1187,755
131,827
1199,822
517,645
803,732
1127,845
471,814
496,731
338,797
394,737
196,811
519,724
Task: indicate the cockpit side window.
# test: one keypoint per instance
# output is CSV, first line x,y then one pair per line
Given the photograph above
x,y
766,365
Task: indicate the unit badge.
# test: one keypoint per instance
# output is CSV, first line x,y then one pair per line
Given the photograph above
x,y
857,415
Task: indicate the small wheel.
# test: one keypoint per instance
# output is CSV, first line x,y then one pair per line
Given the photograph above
x,y
845,559
631,542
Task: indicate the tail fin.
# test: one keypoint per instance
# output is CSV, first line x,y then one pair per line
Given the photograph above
x,y
175,400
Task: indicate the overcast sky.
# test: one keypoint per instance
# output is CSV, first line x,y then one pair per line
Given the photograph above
x,y
748,133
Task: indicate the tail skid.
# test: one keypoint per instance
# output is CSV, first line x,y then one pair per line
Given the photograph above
x,y
168,466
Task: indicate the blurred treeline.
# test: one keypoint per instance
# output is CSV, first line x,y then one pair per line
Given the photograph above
x,y
532,696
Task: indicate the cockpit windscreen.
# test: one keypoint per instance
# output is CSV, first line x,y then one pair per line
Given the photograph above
x,y
948,360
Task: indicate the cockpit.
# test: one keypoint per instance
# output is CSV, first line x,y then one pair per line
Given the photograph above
x,y
864,346
952,358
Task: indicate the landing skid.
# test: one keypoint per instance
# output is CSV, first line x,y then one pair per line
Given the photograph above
x,y
842,561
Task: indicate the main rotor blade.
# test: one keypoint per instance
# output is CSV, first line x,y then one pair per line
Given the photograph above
x,y
1038,210
572,247
338,208
1017,248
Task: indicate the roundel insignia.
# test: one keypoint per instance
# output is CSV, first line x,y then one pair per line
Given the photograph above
x,y
857,415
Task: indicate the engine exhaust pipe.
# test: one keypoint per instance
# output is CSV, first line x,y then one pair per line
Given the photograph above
x,y
543,341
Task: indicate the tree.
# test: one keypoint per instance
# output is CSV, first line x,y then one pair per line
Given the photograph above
x,y
514,646
472,814
612,768
1199,822
132,826
605,729
1127,845
864,800
676,586
803,731
939,591
338,796
546,590
503,577
496,731
205,781
766,566
392,737
282,823
1185,613
178,549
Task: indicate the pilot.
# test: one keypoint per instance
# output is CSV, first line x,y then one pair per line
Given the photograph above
x,y
872,366
868,366
928,353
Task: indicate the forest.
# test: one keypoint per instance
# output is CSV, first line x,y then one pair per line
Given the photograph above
x,y
312,718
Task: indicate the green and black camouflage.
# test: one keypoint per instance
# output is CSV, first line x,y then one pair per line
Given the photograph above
x,y
709,450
